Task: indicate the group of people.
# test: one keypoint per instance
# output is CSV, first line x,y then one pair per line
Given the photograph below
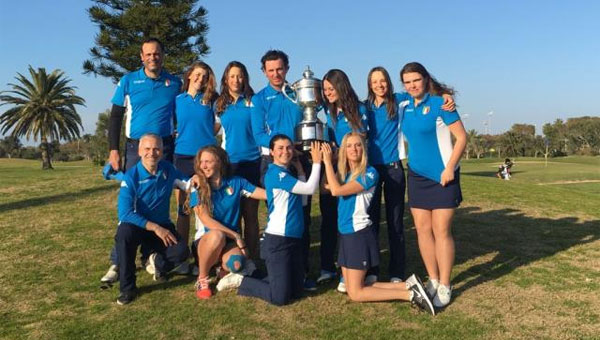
x,y
257,160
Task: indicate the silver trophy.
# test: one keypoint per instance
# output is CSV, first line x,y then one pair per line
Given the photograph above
x,y
307,94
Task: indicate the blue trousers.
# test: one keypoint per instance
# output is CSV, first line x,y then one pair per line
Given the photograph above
x,y
285,271
393,183
307,167
130,236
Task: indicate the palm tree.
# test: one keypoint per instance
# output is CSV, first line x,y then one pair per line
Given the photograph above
x,y
43,107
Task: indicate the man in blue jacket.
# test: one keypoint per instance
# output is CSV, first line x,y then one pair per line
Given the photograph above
x,y
143,207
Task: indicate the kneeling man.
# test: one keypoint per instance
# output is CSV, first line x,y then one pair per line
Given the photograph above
x,y
144,200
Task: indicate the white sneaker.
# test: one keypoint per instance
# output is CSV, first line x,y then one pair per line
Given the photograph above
x,y
442,298
112,275
395,280
411,281
230,281
370,279
342,285
150,268
182,269
432,287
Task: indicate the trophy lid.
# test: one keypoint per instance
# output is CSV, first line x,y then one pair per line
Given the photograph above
x,y
308,80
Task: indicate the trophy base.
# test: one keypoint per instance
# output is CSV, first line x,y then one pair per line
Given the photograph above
x,y
307,132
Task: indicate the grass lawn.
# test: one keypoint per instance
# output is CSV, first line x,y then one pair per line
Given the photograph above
x,y
527,266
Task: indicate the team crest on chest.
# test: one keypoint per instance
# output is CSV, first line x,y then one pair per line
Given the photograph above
x,y
426,110
167,83
229,191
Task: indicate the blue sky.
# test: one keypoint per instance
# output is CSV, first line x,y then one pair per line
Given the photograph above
x,y
527,61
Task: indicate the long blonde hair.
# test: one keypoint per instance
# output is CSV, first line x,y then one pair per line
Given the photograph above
x,y
344,166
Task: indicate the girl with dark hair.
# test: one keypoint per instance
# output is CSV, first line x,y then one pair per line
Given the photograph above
x,y
233,110
196,128
355,185
386,149
433,174
216,203
281,247
345,113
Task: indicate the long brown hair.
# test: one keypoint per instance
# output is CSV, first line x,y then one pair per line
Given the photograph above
x,y
432,86
347,101
209,89
204,189
225,98
390,99
344,166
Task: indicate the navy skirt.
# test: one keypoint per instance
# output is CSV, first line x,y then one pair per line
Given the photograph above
x,y
358,250
424,193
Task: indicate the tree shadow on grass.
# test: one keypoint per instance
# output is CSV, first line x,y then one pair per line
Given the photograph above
x,y
487,173
173,282
515,239
62,198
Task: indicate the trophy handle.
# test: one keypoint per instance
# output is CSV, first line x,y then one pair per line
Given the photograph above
x,y
285,93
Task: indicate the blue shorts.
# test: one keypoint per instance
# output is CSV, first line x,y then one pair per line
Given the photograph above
x,y
424,193
358,250
185,164
250,170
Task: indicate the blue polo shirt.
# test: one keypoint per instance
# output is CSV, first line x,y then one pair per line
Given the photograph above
x,y
195,124
425,127
225,203
238,140
341,127
272,114
149,103
384,133
284,208
353,209
145,197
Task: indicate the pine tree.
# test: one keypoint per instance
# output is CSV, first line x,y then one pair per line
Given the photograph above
x,y
180,24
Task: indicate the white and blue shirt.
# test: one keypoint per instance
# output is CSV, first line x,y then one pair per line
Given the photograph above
x,y
284,208
236,128
272,114
353,209
425,127
145,197
149,103
341,127
195,124
225,203
386,144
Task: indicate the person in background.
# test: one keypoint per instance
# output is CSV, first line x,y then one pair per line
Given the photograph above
x,y
196,128
233,107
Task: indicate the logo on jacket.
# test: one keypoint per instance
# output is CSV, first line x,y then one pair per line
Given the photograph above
x,y
167,82
281,175
229,191
370,175
426,110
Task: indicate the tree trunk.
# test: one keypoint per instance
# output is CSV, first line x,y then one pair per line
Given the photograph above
x,y
46,161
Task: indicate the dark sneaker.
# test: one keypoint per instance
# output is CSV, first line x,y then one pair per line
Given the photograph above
x,y
420,298
126,297
310,285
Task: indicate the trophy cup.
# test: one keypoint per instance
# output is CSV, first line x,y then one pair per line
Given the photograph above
x,y
308,95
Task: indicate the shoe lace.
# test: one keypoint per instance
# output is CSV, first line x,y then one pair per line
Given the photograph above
x,y
201,283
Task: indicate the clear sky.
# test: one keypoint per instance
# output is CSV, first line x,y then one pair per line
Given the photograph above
x,y
527,61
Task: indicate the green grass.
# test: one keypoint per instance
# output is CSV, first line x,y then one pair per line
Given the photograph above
x,y
527,266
